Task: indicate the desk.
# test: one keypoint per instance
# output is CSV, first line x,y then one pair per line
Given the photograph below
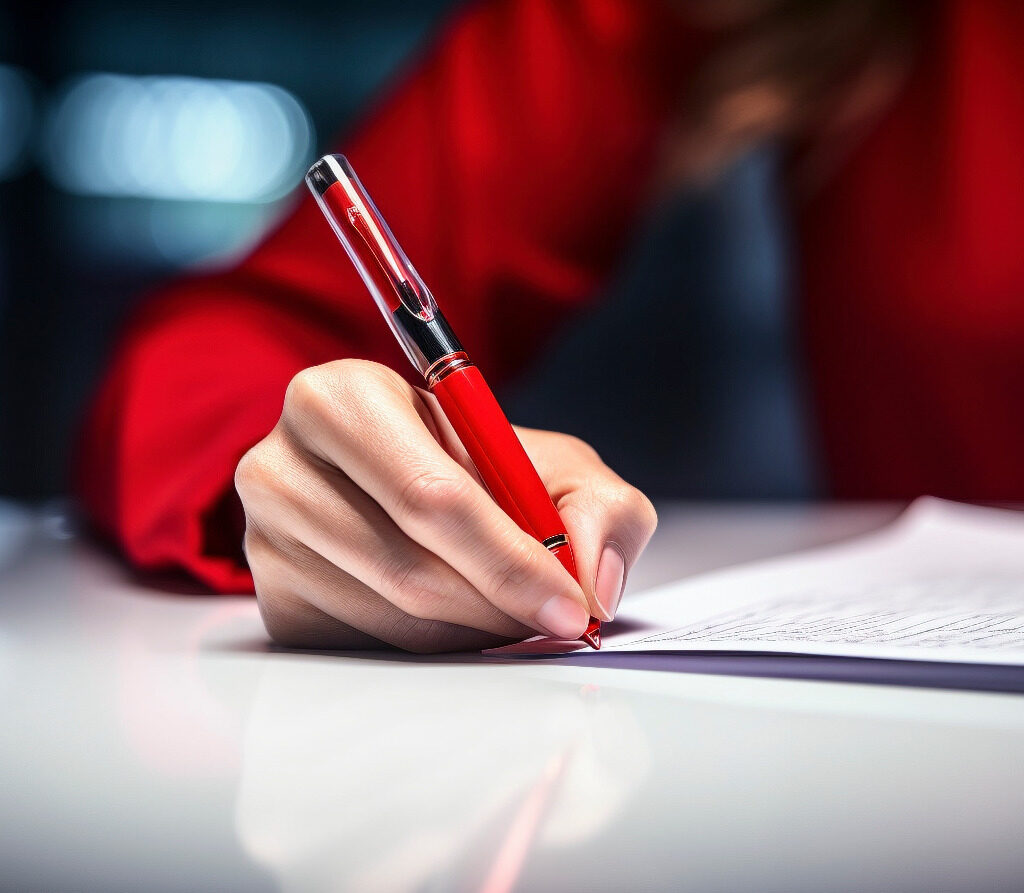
x,y
152,741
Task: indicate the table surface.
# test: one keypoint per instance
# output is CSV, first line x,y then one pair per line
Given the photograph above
x,y
152,740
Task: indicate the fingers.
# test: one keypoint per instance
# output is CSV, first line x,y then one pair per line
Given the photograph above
x,y
327,513
372,425
300,593
609,522
293,622
368,525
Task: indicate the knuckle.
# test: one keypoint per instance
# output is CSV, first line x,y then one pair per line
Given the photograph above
x,y
353,368
637,508
582,450
648,513
254,473
433,494
354,382
515,569
266,475
630,512
245,473
627,501
270,567
252,549
421,602
306,395
403,584
345,392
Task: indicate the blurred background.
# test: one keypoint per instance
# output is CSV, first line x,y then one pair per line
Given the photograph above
x,y
142,139
125,131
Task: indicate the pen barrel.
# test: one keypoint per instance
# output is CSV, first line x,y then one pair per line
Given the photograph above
x,y
431,345
499,457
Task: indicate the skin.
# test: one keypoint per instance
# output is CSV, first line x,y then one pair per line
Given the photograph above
x,y
366,524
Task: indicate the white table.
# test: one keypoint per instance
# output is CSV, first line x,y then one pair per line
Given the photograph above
x,y
152,741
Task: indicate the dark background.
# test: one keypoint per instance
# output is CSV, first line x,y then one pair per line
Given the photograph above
x,y
80,240
70,264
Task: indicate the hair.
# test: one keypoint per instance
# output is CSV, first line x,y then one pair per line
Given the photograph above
x,y
813,73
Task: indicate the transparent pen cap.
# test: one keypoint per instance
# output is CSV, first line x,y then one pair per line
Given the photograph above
x,y
400,293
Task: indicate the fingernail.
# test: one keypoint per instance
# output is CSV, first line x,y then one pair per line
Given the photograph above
x,y
563,618
611,576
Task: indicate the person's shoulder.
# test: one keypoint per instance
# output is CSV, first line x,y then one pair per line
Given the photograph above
x,y
571,53
602,23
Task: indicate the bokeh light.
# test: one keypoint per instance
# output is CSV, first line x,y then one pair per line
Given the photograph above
x,y
177,138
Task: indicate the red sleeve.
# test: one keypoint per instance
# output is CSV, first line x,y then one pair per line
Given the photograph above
x,y
505,162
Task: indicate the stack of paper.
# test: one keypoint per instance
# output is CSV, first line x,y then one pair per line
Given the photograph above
x,y
945,582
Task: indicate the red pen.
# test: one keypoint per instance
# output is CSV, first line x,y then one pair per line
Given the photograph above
x,y
431,345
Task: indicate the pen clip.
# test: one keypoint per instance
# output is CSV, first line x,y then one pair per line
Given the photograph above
x,y
363,222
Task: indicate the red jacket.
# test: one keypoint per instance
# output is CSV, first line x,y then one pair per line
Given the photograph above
x,y
496,162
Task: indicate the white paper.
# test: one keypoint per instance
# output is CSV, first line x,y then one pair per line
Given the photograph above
x,y
944,582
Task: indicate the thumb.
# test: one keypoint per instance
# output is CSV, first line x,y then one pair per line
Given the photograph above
x,y
609,523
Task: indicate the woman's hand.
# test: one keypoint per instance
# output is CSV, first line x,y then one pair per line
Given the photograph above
x,y
366,523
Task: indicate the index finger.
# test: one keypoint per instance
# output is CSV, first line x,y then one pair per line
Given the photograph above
x,y
370,423
609,521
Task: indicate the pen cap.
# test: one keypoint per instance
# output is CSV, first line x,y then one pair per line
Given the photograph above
x,y
400,293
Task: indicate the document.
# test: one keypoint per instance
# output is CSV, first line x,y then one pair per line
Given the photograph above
x,y
944,582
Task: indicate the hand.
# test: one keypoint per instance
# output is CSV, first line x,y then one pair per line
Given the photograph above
x,y
366,524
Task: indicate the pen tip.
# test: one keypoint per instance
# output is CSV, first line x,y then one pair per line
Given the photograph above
x,y
593,634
